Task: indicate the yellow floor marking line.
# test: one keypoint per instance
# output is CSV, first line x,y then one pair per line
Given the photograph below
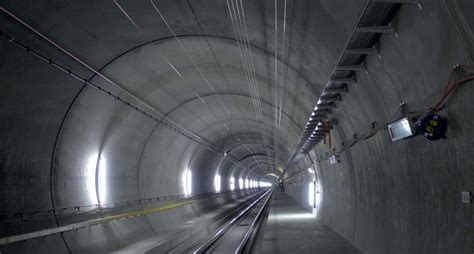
x,y
74,226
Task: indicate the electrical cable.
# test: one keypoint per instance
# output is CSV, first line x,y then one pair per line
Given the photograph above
x,y
123,100
451,86
239,25
191,59
265,143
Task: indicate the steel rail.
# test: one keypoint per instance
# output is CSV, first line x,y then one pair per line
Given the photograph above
x,y
243,243
88,223
206,245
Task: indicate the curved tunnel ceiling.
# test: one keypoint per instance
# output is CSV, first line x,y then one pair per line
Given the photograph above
x,y
190,82
182,98
192,73
202,77
195,104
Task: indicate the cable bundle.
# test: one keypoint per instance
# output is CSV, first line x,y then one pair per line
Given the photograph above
x,y
465,74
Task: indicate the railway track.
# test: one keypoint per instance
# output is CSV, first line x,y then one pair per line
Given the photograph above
x,y
238,233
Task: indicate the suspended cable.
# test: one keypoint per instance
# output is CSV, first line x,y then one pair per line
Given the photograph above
x,y
190,58
451,86
243,59
237,16
245,55
126,14
247,41
124,101
279,86
108,80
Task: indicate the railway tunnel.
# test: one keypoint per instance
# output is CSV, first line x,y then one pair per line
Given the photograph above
x,y
236,126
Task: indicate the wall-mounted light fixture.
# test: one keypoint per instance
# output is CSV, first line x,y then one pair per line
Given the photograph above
x,y
466,197
401,129
334,159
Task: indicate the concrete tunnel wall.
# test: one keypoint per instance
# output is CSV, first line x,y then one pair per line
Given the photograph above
x,y
383,197
405,197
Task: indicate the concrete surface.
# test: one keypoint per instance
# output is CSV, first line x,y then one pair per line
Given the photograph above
x,y
291,229
383,197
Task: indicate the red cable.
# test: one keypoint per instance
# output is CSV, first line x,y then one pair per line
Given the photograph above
x,y
451,89
451,85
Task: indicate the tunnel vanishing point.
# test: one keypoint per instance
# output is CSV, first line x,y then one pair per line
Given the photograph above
x,y
237,126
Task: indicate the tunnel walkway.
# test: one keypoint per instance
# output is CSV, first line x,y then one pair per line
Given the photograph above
x,y
291,229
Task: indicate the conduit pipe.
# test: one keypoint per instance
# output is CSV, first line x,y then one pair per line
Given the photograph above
x,y
122,89
170,126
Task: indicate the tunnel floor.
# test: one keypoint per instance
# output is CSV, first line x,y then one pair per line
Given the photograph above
x,y
291,229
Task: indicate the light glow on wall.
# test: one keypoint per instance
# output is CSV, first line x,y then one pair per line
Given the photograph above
x,y
232,183
187,182
217,183
101,183
319,196
264,184
96,177
311,194
241,183
246,183
292,217
91,167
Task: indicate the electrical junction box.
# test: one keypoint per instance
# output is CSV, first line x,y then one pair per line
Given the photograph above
x,y
401,129
432,127
334,159
466,197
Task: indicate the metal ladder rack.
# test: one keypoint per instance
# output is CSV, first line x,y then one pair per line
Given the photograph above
x,y
373,22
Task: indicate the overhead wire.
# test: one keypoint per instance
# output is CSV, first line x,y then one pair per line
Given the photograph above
x,y
244,59
190,57
280,86
237,16
196,66
255,82
282,64
96,72
276,144
284,138
248,57
126,14
244,50
125,101
232,15
219,68
194,90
